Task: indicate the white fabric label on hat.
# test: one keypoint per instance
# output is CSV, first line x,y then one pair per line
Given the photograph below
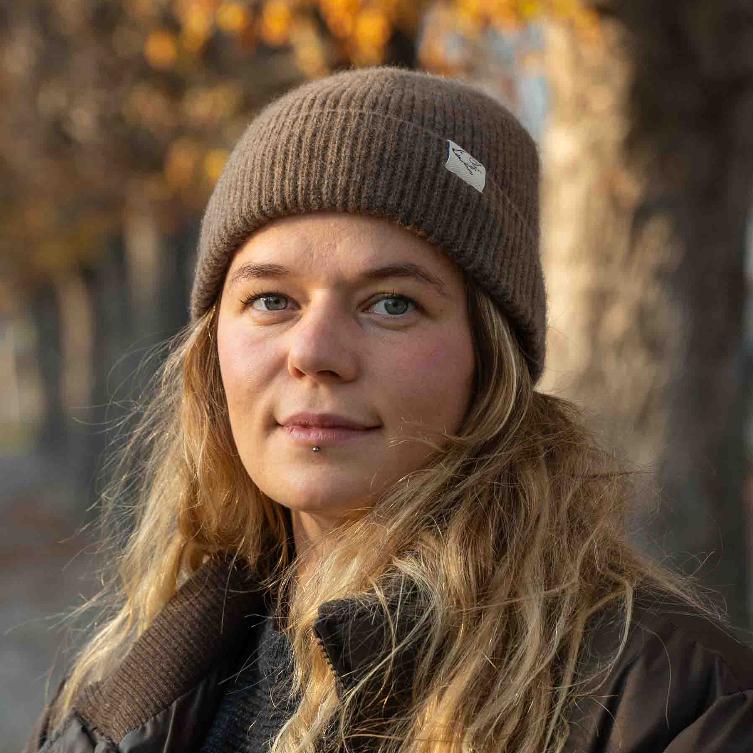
x,y
466,167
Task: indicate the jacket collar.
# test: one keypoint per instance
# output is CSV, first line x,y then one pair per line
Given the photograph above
x,y
207,619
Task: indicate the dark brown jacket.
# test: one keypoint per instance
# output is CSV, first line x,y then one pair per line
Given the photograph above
x,y
681,685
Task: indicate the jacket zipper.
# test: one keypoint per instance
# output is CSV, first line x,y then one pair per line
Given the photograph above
x,y
338,680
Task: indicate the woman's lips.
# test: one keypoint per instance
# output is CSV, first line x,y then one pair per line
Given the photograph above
x,y
324,435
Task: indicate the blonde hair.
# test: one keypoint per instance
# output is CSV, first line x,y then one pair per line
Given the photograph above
x,y
512,535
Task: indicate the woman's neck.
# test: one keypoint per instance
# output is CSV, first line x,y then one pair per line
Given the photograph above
x,y
308,531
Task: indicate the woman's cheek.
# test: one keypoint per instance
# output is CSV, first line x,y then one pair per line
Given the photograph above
x,y
418,372
435,357
241,360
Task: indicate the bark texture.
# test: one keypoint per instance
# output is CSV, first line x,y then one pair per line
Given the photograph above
x,y
647,189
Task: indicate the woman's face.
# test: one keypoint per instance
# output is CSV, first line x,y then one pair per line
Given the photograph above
x,y
328,333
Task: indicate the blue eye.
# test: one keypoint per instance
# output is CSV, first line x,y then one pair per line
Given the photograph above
x,y
403,300
265,295
275,296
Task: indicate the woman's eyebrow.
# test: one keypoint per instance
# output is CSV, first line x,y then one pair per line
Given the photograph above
x,y
256,270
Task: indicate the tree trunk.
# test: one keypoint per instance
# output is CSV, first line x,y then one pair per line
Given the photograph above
x,y
77,369
52,435
143,247
111,356
649,169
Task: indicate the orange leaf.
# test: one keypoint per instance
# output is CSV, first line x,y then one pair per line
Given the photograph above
x,y
161,49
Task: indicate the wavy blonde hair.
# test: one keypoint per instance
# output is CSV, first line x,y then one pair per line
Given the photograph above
x,y
512,534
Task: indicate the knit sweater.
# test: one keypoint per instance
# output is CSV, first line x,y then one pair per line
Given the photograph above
x,y
254,706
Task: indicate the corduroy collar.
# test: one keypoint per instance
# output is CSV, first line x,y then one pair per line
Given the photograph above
x,y
208,618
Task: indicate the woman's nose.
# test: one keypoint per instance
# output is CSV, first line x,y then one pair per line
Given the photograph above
x,y
322,341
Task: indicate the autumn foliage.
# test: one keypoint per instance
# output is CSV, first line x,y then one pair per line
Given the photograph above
x,y
140,100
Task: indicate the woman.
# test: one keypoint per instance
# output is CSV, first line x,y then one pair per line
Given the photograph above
x,y
438,564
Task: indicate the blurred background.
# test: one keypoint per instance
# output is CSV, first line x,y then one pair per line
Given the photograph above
x,y
117,118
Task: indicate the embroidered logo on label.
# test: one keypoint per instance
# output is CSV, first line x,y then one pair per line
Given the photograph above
x,y
466,167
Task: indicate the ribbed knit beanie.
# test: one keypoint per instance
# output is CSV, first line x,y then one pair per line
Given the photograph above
x,y
436,155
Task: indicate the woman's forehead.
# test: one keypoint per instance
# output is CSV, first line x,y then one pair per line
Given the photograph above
x,y
318,242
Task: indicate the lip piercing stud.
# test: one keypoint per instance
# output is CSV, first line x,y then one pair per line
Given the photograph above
x,y
315,449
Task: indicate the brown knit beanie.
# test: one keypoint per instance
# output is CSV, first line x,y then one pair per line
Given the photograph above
x,y
434,154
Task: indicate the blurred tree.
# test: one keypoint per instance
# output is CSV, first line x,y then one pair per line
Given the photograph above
x,y
648,184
